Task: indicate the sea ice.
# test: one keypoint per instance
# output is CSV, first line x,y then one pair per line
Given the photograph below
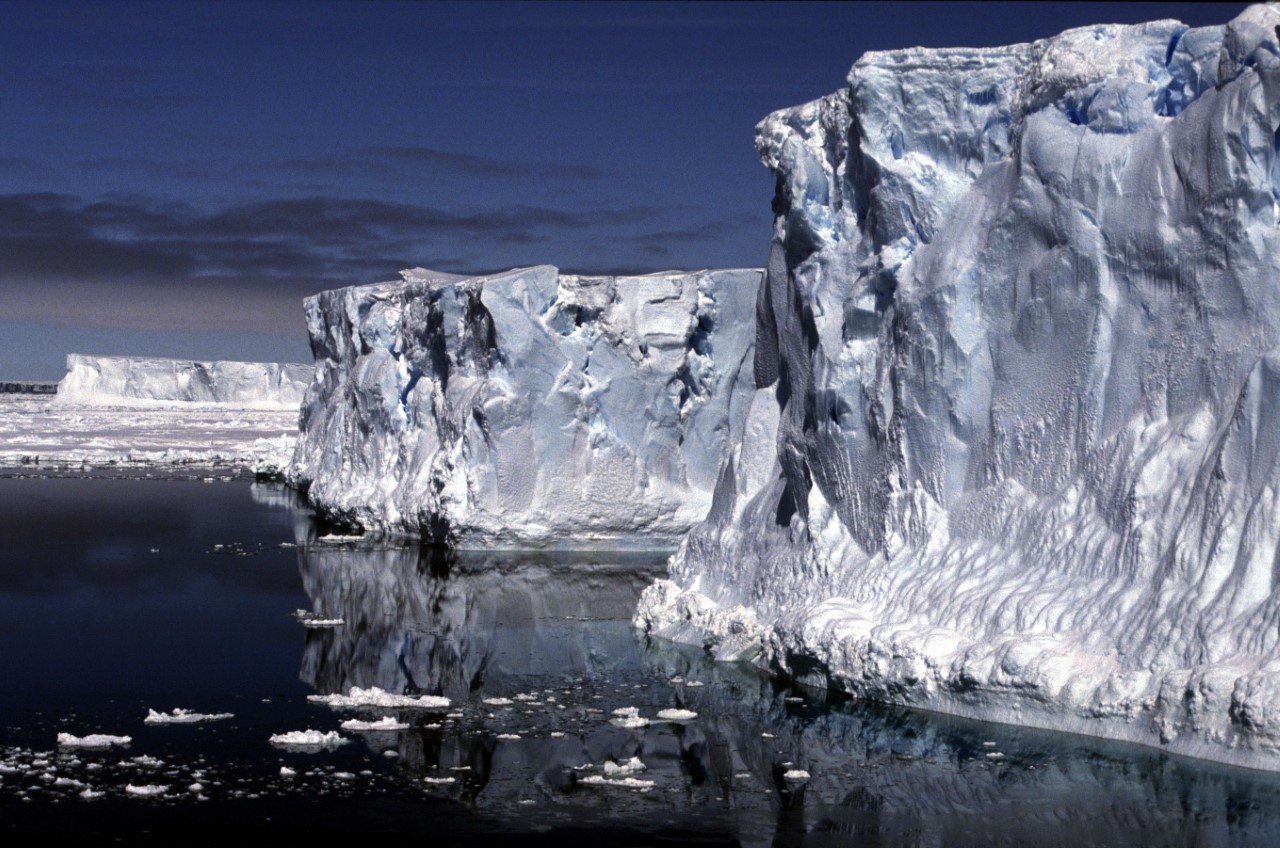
x,y
181,716
375,697
384,723
308,739
93,740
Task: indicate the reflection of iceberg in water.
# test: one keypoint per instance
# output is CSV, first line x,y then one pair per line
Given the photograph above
x,y
549,628
422,620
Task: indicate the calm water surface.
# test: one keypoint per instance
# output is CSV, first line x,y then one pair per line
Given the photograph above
x,y
119,596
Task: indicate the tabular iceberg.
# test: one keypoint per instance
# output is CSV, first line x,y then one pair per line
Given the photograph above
x,y
144,382
528,408
1015,450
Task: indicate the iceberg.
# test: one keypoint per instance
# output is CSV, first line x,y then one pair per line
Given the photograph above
x,y
148,383
528,408
1013,451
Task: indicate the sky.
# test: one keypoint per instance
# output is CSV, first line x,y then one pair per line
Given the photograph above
x,y
176,177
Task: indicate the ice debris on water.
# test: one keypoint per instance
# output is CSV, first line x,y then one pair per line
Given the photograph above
x,y
93,740
677,715
384,723
149,790
308,739
796,775
628,717
631,766
625,782
375,697
181,716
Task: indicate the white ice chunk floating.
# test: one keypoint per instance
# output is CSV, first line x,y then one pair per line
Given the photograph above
x,y
628,717
677,715
631,766
314,739
148,790
183,716
375,697
384,723
529,407
795,775
1014,451
624,782
93,740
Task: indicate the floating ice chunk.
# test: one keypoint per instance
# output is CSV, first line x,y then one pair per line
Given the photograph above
x,y
334,538
375,697
676,715
508,735
439,781
308,739
150,790
93,740
384,723
146,761
181,716
315,619
195,787
631,766
91,794
498,702
628,717
68,781
626,782
285,771
796,775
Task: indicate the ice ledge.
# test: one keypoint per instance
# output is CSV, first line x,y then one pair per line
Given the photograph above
x,y
1221,711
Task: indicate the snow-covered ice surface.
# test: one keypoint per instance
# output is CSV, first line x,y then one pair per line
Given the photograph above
x,y
528,408
41,434
1013,452
148,383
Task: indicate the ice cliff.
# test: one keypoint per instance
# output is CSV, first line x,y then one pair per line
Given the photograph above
x,y
1014,450
141,382
528,408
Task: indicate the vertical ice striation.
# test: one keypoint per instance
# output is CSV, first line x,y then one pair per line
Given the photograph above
x,y
1015,447
528,408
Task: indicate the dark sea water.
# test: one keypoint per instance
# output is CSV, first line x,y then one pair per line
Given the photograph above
x,y
122,595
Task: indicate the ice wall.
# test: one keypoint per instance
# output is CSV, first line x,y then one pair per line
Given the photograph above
x,y
1015,451
529,408
140,382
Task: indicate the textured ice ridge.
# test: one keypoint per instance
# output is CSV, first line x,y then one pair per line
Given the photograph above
x,y
528,408
1015,451
141,382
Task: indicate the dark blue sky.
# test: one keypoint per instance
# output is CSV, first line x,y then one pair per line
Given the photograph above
x,y
175,177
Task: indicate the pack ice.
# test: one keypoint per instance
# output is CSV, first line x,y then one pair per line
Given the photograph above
x,y
526,408
1014,449
143,382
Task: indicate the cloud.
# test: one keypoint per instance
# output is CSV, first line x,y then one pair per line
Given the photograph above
x,y
128,260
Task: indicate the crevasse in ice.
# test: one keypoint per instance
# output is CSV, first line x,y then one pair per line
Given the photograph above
x,y
1014,446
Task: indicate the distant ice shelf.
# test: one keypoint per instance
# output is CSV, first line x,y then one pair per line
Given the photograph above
x,y
1014,449
143,382
528,408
